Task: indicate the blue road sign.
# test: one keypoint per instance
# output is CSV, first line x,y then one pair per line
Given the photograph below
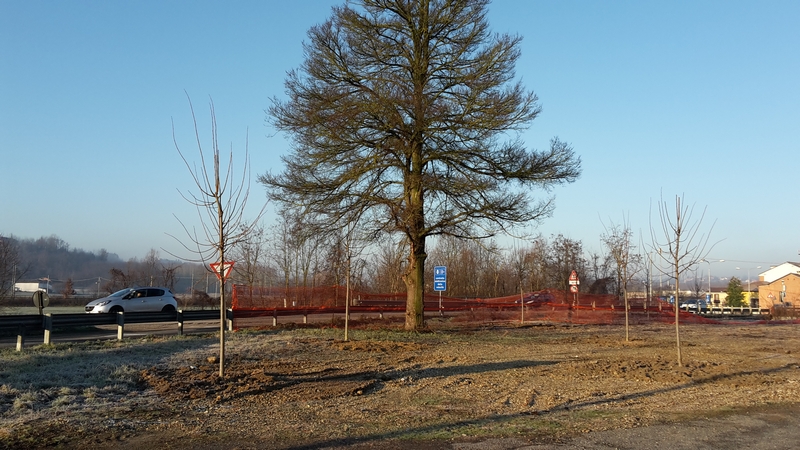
x,y
440,285
440,274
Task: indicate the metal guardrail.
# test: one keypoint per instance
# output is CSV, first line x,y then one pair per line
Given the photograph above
x,y
274,313
25,323
730,310
20,324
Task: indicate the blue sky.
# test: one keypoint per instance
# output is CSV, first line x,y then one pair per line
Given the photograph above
x,y
692,98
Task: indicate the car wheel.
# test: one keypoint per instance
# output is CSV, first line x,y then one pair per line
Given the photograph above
x,y
168,308
116,309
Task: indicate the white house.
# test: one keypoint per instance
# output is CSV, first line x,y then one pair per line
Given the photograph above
x,y
779,272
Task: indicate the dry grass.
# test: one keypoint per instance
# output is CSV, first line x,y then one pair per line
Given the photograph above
x,y
306,386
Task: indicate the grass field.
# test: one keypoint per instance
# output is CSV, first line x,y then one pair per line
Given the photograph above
x,y
303,387
34,310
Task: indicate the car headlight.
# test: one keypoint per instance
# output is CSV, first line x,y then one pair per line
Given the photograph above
x,y
103,303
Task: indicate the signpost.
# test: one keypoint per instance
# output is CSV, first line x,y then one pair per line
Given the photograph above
x,y
440,283
40,300
574,281
573,278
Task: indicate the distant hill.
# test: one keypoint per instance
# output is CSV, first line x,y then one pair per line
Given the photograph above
x,y
98,273
51,257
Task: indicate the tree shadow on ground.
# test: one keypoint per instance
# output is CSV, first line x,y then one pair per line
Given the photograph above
x,y
505,418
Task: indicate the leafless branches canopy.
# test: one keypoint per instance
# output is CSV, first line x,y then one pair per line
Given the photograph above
x,y
220,198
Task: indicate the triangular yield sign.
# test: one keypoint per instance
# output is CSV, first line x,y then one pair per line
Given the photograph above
x,y
573,276
227,266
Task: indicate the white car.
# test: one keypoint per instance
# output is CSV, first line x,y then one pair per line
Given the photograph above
x,y
692,304
145,299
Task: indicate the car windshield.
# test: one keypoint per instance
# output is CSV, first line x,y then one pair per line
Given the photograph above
x,y
120,293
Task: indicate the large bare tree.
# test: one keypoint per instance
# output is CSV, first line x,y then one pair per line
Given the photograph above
x,y
407,110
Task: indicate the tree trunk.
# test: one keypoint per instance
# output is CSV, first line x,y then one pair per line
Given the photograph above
x,y
677,314
415,288
221,274
415,275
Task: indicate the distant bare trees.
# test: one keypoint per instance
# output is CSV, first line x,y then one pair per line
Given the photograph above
x,y
388,262
149,266
618,239
472,266
291,252
294,247
564,256
11,265
294,255
475,269
251,259
150,271
69,288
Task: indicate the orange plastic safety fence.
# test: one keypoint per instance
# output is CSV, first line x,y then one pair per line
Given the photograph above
x,y
547,305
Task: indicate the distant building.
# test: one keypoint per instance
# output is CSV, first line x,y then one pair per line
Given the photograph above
x,y
778,272
719,295
784,291
33,286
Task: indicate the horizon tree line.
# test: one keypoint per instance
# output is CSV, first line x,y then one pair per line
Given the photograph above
x,y
293,256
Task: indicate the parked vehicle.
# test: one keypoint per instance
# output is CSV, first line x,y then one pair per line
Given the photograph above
x,y
693,305
537,297
146,299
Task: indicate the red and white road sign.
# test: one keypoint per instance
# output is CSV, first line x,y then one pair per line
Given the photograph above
x,y
227,266
573,279
573,289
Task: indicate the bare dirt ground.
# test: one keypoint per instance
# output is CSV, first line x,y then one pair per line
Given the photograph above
x,y
457,386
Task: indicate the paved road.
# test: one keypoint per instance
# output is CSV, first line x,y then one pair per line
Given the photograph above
x,y
170,328
767,428
107,332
